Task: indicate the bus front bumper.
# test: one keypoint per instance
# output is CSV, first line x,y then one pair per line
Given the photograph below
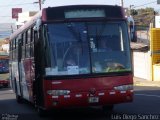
x,y
84,99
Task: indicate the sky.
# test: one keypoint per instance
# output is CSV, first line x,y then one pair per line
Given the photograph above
x,y
28,5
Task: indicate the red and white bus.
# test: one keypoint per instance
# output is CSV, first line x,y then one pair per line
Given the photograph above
x,y
57,59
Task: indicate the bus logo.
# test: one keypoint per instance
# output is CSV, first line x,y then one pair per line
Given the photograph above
x,y
92,91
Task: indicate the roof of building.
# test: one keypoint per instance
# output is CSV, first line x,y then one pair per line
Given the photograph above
x,y
135,46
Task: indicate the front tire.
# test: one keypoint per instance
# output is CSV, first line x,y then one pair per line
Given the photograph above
x,y
19,99
41,112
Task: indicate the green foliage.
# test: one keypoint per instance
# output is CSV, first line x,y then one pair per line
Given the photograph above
x,y
133,12
143,16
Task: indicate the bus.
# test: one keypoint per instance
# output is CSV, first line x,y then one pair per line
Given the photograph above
x,y
56,60
4,70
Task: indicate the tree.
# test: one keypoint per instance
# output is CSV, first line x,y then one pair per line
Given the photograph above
x,y
133,12
143,16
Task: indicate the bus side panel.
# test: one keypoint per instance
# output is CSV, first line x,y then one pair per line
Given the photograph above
x,y
15,78
11,76
32,78
27,80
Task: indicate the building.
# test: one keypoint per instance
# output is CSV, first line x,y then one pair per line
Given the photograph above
x,y
24,17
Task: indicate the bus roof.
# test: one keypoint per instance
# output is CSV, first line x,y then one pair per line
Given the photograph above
x,y
26,25
114,12
50,13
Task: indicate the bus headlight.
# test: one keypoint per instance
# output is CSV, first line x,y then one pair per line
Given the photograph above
x,y
58,92
124,87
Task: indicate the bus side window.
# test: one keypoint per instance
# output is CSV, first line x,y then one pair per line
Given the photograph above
x,y
32,43
28,39
23,45
10,50
13,50
16,47
20,47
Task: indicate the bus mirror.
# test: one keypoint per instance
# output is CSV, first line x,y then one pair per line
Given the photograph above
x,y
37,25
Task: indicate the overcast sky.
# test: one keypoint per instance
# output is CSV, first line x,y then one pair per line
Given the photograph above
x,y
26,5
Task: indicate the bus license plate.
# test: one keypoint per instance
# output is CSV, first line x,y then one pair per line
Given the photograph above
x,y
93,99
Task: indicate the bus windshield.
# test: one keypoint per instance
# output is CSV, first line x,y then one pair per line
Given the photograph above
x,y
75,48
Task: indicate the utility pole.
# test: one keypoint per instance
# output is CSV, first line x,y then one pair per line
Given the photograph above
x,y
40,4
130,8
121,3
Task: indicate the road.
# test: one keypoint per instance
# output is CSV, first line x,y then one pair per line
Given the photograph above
x,y
146,105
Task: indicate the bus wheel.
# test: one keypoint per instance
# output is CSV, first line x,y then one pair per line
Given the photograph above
x,y
41,112
19,99
108,109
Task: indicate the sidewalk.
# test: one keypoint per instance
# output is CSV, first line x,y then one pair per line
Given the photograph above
x,y
143,82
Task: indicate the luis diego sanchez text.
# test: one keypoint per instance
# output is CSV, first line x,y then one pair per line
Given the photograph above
x,y
135,116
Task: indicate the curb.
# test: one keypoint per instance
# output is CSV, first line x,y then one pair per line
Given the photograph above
x,y
147,84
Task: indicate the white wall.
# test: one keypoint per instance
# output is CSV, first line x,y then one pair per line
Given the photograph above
x,y
142,65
